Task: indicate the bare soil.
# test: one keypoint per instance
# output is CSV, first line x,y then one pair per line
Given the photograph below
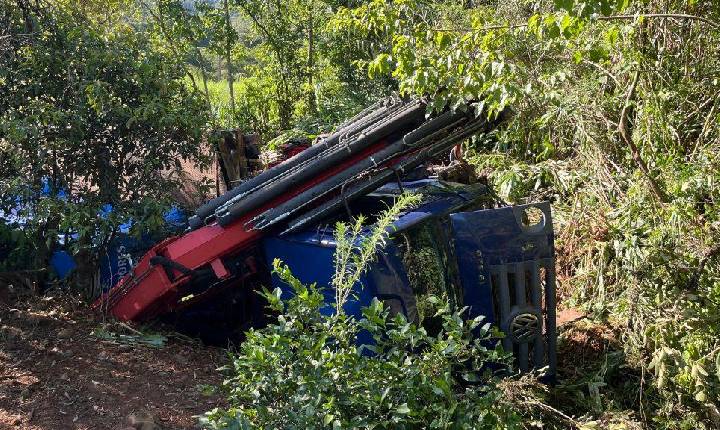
x,y
584,343
56,374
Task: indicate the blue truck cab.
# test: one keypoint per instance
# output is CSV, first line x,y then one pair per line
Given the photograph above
x,y
499,262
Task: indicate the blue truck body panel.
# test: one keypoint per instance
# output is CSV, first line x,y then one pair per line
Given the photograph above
x,y
309,254
503,262
495,237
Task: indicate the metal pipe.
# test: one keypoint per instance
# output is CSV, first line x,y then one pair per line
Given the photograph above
x,y
377,180
409,117
284,211
356,132
372,114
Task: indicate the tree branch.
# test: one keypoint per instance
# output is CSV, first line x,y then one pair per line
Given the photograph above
x,y
710,22
625,134
161,24
707,21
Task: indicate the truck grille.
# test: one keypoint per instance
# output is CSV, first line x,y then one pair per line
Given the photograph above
x,y
506,267
524,307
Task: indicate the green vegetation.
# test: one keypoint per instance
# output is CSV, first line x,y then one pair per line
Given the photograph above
x,y
615,118
616,121
428,280
88,109
306,371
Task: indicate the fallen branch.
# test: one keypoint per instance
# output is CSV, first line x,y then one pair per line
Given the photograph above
x,y
571,423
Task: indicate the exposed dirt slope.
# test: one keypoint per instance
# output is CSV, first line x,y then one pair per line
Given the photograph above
x,y
55,374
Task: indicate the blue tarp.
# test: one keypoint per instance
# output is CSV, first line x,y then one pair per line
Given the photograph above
x,y
122,252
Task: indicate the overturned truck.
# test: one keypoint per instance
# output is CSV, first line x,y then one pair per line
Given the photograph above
x,y
496,261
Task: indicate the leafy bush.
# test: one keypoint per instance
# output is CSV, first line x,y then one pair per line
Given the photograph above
x,y
88,107
616,120
307,371
16,248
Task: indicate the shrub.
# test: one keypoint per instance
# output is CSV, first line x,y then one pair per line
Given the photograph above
x,y
307,371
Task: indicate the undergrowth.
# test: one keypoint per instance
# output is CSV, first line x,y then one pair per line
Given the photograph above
x,y
637,246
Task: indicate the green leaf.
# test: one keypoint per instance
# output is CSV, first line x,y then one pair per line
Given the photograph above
x,y
442,39
403,409
565,4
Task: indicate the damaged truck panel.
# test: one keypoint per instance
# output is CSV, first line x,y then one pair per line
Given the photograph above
x,y
493,260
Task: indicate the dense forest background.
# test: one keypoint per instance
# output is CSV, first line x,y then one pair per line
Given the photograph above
x,y
615,119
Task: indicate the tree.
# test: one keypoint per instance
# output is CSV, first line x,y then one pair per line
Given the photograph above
x,y
283,29
616,119
90,109
181,32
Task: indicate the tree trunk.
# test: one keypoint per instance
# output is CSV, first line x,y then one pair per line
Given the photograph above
x,y
312,102
285,103
157,17
626,135
203,73
228,60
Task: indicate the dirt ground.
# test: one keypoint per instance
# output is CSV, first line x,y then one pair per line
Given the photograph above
x,y
62,367
55,373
